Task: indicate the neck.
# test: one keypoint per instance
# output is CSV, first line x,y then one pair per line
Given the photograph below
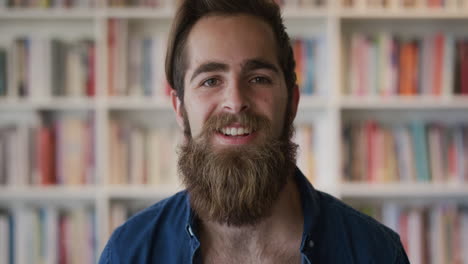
x,y
283,228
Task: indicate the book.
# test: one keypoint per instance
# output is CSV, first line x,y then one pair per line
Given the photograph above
x,y
403,4
47,153
38,67
304,137
3,72
308,54
414,152
136,62
386,64
463,66
141,3
142,154
418,133
49,4
429,233
4,238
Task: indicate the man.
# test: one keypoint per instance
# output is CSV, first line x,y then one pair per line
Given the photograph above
x,y
235,96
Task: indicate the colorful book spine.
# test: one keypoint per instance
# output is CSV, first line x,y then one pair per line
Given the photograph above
x,y
418,152
37,67
51,235
142,73
3,73
60,152
430,234
49,4
308,54
132,146
304,137
385,65
404,4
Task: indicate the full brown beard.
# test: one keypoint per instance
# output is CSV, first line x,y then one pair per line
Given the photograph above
x,y
236,185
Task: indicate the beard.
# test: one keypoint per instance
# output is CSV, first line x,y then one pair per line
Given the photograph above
x,y
236,185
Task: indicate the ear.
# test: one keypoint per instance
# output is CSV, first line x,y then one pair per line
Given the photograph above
x,y
177,106
296,94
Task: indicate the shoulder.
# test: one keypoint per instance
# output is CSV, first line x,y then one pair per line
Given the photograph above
x,y
147,230
361,237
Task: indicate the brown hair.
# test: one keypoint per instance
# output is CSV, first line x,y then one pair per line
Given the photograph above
x,y
190,11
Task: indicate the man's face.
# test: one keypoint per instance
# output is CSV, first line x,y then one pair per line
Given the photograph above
x,y
233,68
238,154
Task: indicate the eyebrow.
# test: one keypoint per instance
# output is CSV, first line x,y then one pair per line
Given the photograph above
x,y
209,67
257,64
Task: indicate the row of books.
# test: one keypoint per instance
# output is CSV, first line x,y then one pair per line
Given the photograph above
x,y
136,62
140,3
304,137
309,54
165,3
405,3
48,235
140,154
60,152
301,3
40,67
386,65
417,152
430,235
47,3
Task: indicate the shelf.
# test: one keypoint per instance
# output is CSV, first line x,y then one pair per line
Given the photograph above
x,y
414,102
35,193
48,104
403,190
139,103
126,192
52,13
141,13
308,102
380,13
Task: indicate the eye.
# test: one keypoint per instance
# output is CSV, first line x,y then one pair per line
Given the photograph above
x,y
211,82
260,80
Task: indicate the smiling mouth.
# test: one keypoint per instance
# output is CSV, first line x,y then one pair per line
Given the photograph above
x,y
237,131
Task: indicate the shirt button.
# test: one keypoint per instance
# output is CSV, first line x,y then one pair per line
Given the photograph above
x,y
311,244
189,229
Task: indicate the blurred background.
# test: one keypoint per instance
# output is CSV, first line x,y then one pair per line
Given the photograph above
x,y
88,137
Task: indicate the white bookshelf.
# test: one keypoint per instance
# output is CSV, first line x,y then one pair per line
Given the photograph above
x,y
35,194
409,190
416,103
326,111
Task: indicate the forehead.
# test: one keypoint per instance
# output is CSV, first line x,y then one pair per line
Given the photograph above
x,y
231,40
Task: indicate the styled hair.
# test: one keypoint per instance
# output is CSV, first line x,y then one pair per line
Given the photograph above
x,y
190,11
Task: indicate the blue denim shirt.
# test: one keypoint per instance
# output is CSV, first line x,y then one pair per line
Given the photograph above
x,y
333,233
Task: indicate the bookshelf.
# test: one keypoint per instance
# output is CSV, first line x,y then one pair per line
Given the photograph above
x,y
327,110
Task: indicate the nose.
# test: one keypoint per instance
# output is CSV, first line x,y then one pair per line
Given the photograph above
x,y
235,98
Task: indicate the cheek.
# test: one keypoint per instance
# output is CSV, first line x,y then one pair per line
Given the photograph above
x,y
199,109
273,103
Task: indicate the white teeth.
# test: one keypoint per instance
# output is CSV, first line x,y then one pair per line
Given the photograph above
x,y
232,131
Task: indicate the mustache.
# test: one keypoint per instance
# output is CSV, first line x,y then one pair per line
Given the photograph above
x,y
247,119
